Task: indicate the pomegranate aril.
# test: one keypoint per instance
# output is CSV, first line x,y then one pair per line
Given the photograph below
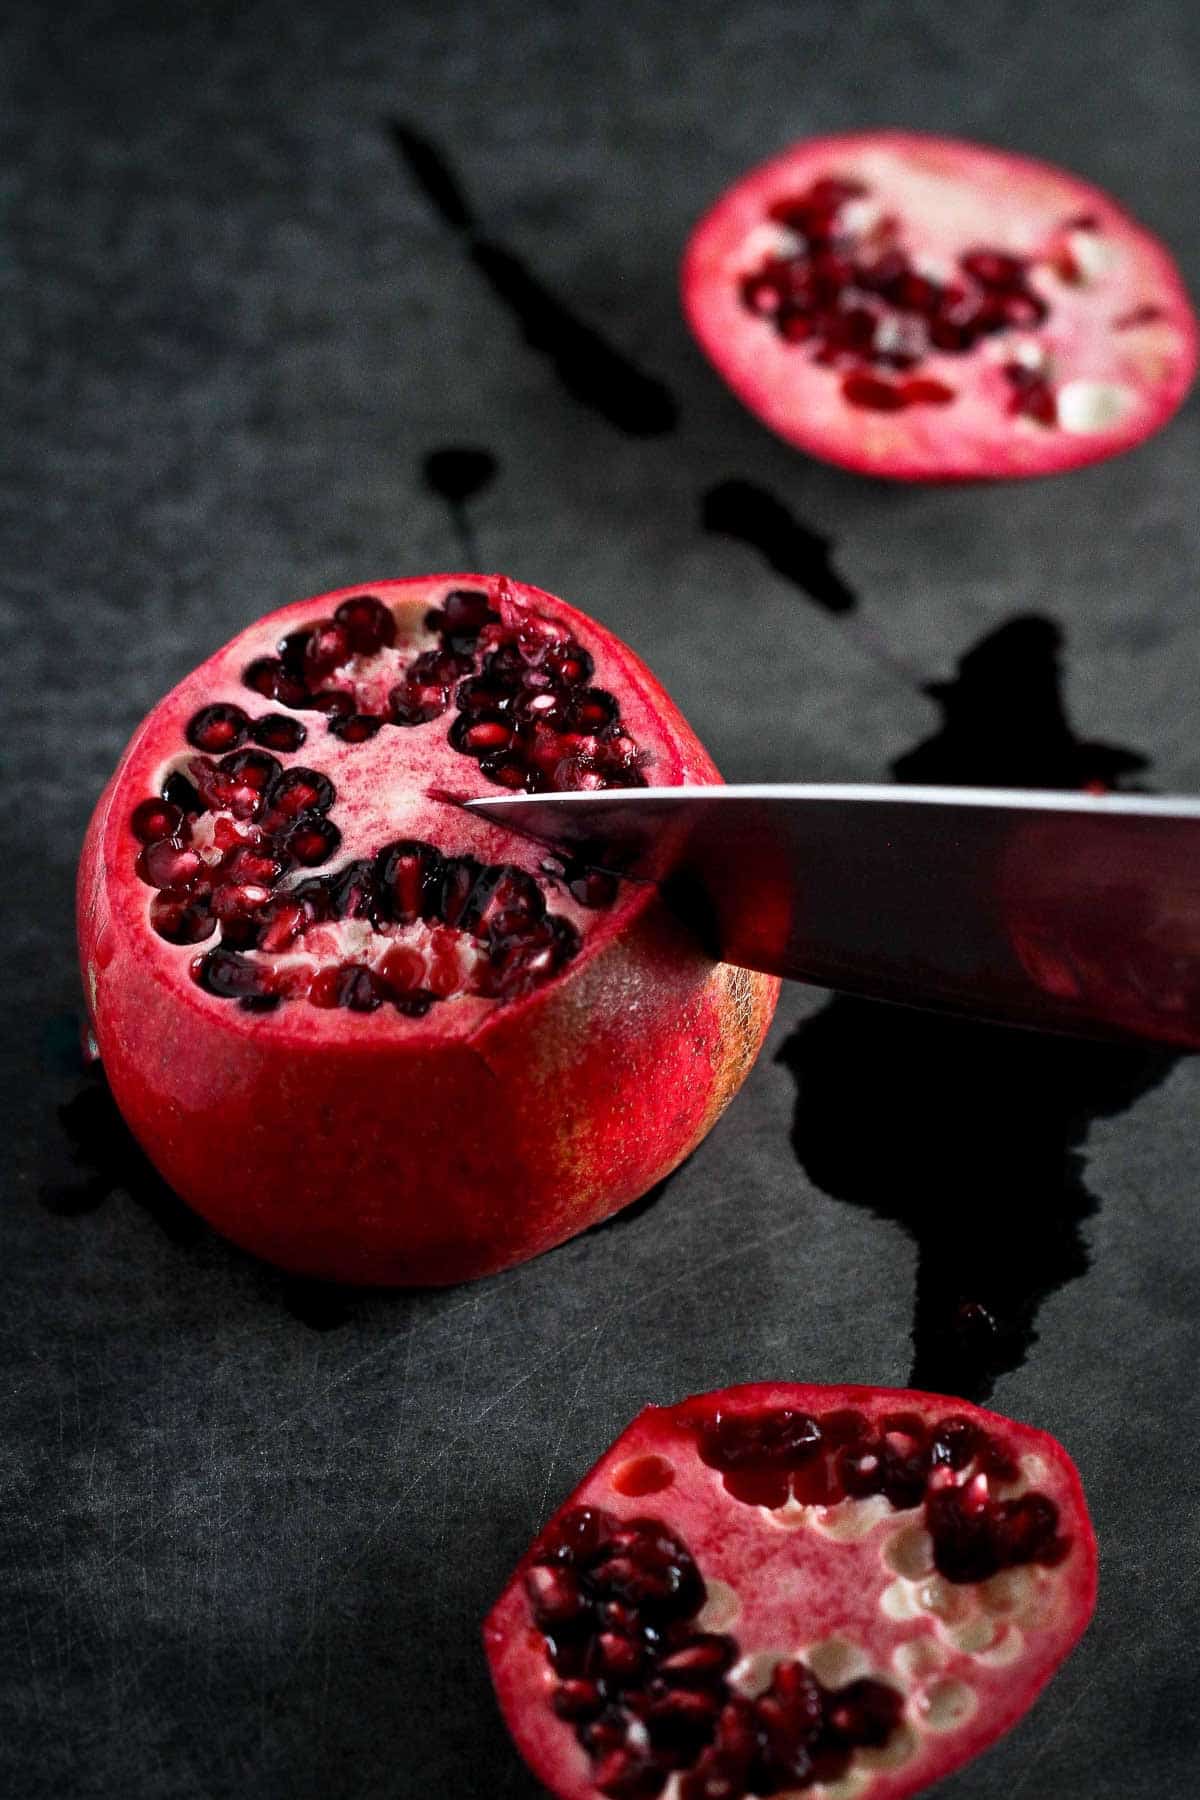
x,y
250,768
355,728
312,840
302,791
415,1005
860,1469
354,891
403,968
416,705
701,1660
335,703
575,1536
778,1439
285,922
275,731
488,735
170,863
157,819
217,728
630,1775
761,295
367,624
924,390
228,975
178,791
554,1594
994,268
954,1443
874,395
577,1699
466,611
275,681
410,875
182,916
620,1658
327,649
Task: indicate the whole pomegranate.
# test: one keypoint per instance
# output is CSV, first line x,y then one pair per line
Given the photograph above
x,y
932,310
778,1588
367,1035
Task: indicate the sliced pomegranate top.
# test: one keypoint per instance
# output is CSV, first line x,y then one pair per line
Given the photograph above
x,y
848,1590
287,810
927,309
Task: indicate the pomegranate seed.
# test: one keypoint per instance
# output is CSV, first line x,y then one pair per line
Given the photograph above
x,y
868,391
168,864
302,790
702,1659
795,326
155,819
416,705
178,791
327,649
487,735
367,624
181,916
284,926
917,294
217,728
403,968
761,295
924,390
994,268
554,1595
577,1700
312,840
355,728
335,703
275,731
229,975
466,610
274,681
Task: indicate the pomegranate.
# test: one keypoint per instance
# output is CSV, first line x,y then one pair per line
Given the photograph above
x,y
932,310
365,1034
843,1590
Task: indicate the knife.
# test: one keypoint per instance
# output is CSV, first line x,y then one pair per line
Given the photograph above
x,y
1061,911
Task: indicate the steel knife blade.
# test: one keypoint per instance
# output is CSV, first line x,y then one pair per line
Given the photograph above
x,y
1062,911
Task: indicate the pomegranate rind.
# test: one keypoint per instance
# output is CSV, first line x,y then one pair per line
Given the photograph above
x,y
384,1150
1024,203
825,1588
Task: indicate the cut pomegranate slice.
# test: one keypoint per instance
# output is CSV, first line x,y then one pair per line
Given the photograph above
x,y
364,1033
932,310
847,1591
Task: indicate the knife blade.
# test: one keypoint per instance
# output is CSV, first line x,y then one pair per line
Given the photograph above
x,y
1060,911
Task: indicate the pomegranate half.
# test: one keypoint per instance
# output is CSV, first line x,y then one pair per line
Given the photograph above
x,y
843,1590
367,1035
932,310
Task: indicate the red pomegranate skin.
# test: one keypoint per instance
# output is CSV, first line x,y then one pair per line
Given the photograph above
x,y
1112,360
377,1149
798,1584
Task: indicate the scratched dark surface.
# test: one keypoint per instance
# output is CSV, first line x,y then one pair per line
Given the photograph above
x,y
270,270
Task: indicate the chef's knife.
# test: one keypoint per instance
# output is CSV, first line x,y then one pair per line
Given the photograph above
x,y
1064,911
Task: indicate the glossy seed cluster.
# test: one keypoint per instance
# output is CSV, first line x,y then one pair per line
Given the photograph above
x,y
525,710
951,1468
647,1691
858,303
227,842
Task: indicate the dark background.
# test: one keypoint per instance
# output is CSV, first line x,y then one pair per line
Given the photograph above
x,y
252,1526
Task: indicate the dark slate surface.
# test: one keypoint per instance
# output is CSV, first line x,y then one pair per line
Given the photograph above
x,y
251,1527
